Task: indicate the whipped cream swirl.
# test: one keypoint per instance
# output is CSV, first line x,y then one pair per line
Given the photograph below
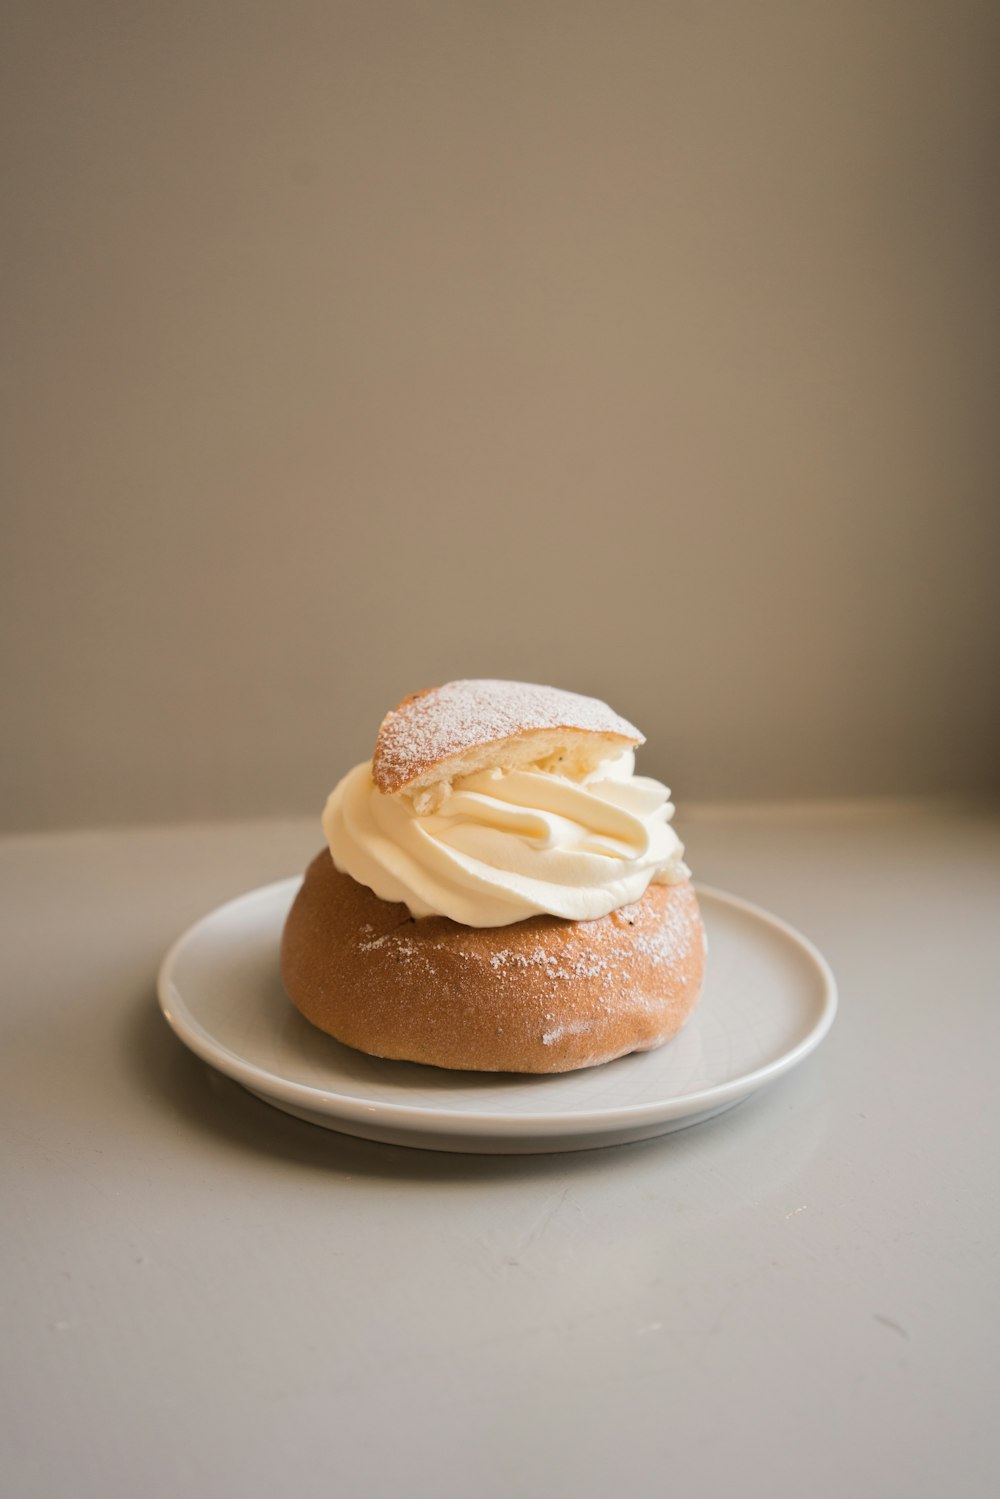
x,y
501,846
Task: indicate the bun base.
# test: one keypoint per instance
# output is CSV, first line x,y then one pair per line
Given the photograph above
x,y
542,995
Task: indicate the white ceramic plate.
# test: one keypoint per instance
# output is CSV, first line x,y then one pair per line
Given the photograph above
x,y
769,999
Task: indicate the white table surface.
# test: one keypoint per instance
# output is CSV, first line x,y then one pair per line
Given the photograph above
x,y
202,1295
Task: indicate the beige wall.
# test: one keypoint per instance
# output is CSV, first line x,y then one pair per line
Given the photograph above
x,y
648,349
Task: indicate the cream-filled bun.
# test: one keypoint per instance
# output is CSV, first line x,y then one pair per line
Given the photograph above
x,y
500,891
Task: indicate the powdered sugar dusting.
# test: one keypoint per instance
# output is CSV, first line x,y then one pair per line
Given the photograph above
x,y
585,963
653,937
533,982
571,1028
544,995
445,721
402,946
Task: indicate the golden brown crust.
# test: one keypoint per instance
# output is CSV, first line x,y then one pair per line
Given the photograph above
x,y
542,995
456,729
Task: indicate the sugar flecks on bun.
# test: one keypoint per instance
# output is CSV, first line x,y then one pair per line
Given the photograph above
x,y
500,891
544,995
455,730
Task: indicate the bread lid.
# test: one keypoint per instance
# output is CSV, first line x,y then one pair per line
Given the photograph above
x,y
463,727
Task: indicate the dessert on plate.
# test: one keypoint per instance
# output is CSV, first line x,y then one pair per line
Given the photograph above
x,y
500,891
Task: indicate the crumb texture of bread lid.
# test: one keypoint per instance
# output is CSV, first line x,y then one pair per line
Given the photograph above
x,y
465,726
542,996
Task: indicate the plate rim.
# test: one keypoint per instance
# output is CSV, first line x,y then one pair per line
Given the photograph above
x,y
428,1119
